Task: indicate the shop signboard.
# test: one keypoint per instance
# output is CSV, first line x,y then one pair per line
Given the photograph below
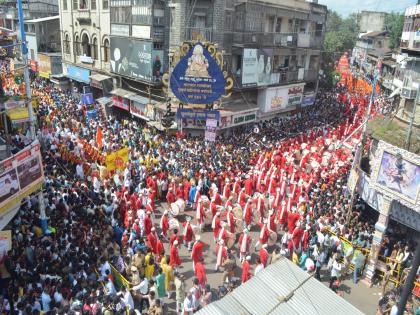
x,y
295,95
197,114
44,66
272,99
78,74
20,175
257,66
308,100
198,78
210,133
132,58
87,98
244,119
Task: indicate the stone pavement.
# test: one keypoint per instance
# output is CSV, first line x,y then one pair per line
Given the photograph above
x,y
364,298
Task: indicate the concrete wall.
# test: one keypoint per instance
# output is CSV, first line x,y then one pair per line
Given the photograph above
x,y
99,27
371,21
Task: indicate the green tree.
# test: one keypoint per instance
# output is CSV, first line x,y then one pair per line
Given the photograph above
x,y
394,23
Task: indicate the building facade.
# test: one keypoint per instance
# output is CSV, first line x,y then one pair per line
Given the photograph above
x,y
371,21
85,44
31,10
271,50
407,74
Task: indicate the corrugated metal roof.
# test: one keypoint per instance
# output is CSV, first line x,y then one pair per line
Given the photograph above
x,y
262,295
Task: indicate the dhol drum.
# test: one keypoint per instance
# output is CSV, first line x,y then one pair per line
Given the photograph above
x,y
230,242
239,225
205,201
237,212
272,239
173,224
177,207
209,217
256,217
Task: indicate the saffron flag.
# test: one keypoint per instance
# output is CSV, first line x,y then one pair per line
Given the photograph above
x,y
99,136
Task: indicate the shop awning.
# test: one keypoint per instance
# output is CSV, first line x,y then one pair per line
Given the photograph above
x,y
99,77
395,92
18,115
139,99
104,100
123,93
158,125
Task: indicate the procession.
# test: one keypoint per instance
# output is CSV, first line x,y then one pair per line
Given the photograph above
x,y
253,201
208,168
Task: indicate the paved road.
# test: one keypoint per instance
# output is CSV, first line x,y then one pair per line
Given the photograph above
x,y
359,295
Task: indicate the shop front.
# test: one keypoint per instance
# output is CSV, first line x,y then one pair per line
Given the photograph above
x,y
121,101
80,77
140,107
101,85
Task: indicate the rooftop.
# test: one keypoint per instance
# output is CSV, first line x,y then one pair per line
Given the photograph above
x,y
281,288
44,19
374,34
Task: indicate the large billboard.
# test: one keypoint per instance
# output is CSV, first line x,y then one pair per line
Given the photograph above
x,y
20,175
257,66
132,58
198,78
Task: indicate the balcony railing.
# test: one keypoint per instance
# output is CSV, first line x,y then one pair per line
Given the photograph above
x,y
311,75
266,39
202,33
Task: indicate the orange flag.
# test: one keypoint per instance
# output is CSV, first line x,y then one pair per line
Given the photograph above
x,y
99,136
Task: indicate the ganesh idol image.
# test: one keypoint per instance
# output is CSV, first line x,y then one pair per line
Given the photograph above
x,y
197,64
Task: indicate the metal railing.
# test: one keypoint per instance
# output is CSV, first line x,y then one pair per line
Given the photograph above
x,y
204,33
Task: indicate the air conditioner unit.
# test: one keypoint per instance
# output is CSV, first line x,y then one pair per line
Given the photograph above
x,y
409,93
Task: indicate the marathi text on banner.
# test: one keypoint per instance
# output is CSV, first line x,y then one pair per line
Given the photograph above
x,y
117,160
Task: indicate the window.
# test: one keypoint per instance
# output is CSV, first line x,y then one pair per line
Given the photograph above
x,y
105,4
93,4
26,27
32,54
83,5
67,44
65,5
77,45
85,45
107,51
94,48
75,4
278,25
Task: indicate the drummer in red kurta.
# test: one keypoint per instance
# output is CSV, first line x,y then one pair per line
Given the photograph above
x,y
264,255
152,239
187,187
188,233
200,272
248,185
216,226
247,213
164,224
147,223
180,192
174,259
197,250
246,275
170,197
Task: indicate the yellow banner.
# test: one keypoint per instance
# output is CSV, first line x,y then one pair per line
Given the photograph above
x,y
117,160
44,74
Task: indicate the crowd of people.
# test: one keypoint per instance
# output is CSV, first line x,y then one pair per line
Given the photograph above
x,y
113,240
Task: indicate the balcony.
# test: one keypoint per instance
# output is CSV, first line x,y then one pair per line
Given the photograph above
x,y
316,42
311,75
202,33
266,39
83,17
304,40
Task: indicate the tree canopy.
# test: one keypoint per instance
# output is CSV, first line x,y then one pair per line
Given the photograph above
x,y
394,23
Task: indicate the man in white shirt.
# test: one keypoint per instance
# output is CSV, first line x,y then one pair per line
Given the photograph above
x,y
126,298
260,267
46,300
189,304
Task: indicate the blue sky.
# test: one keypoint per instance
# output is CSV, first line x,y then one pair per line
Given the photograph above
x,y
345,7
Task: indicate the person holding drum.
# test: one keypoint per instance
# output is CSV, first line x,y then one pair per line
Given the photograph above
x,y
188,233
221,254
264,255
264,234
164,224
246,275
244,243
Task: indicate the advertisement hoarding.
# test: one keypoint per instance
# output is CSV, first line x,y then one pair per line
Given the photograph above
x,y
264,66
295,95
249,67
210,133
132,58
44,66
308,100
20,175
197,78
272,99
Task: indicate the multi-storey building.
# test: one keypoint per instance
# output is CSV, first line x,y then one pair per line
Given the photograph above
x,y
407,74
85,30
271,49
31,10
